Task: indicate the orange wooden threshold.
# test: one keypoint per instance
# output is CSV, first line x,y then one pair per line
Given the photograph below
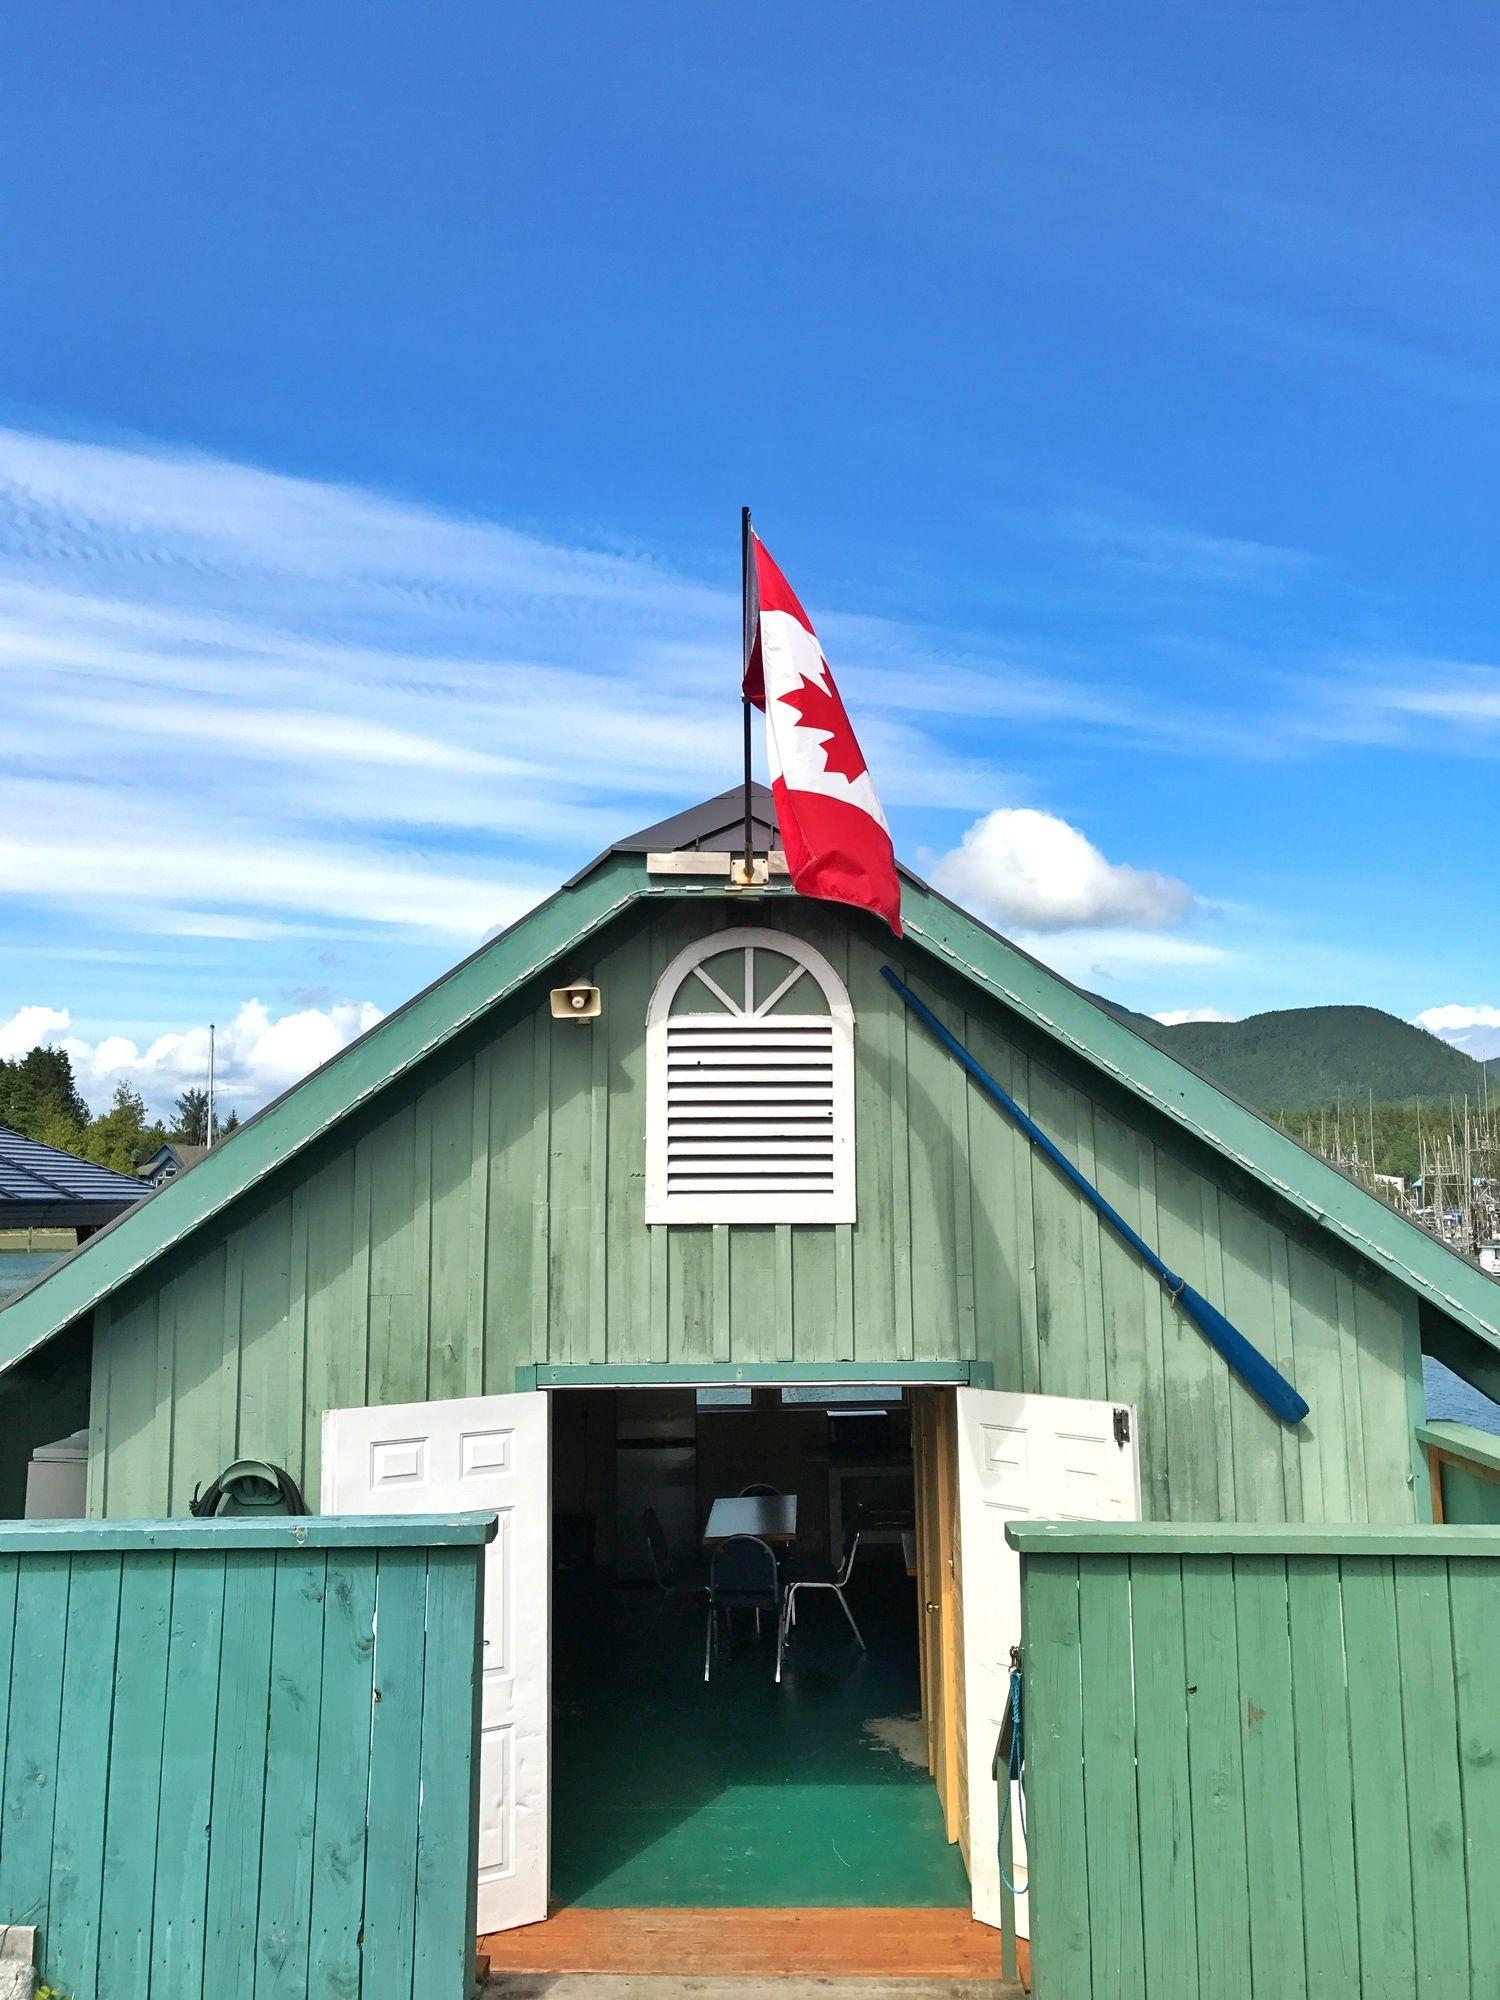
x,y
858,1944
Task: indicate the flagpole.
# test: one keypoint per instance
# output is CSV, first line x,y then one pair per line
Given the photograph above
x,y
749,641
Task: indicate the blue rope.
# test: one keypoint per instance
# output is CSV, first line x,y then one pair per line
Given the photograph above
x,y
1013,1777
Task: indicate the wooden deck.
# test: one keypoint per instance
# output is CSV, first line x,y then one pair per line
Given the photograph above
x,y
827,1943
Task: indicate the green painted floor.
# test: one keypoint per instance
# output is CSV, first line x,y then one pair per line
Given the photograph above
x,y
741,1793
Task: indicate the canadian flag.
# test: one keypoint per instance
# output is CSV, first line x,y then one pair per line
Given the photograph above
x,y
835,836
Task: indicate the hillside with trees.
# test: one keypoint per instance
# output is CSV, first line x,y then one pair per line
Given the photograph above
x,y
1306,1058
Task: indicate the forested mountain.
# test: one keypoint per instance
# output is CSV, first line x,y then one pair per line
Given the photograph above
x,y
1300,1058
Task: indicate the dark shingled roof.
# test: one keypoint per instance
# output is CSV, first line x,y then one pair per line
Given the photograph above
x,y
47,1188
717,826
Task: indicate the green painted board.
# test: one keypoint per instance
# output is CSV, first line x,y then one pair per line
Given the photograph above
x,y
135,1778
343,1775
295,1715
395,1769
1216,1773
1246,1538
185,1815
240,1761
1057,1870
1474,1596
1118,1967
1163,1792
1324,1782
233,1534
32,1741
1377,1756
1434,1788
1273,1850
444,1923
72,1943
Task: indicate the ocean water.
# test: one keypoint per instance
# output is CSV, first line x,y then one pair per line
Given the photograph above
x,y
1456,1401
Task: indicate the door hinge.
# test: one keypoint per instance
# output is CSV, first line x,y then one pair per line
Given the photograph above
x,y
1122,1428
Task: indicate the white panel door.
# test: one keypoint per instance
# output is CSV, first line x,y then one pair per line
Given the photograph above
x,y
477,1452
1045,1458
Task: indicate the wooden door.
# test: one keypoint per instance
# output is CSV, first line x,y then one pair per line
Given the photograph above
x,y
936,1486
475,1452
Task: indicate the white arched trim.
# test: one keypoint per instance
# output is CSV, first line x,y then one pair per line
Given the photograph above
x,y
749,1112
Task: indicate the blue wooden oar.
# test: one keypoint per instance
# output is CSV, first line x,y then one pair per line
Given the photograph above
x,y
1252,1367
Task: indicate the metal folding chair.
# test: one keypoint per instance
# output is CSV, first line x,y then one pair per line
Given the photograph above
x,y
815,1573
672,1579
742,1576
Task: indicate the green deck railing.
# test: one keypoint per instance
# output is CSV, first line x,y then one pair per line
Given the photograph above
x,y
237,1757
1262,1761
1464,1469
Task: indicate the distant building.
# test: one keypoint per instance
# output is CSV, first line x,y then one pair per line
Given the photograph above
x,y
168,1161
50,1201
1489,1257
43,1189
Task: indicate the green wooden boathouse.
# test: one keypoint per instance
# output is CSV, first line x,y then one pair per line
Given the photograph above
x,y
667,1172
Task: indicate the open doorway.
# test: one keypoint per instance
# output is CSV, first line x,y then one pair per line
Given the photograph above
x,y
672,1789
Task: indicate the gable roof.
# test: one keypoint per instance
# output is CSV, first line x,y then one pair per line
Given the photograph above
x,y
182,1152
618,879
717,826
44,1187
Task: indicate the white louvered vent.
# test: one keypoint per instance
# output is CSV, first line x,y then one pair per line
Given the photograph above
x,y
750,1114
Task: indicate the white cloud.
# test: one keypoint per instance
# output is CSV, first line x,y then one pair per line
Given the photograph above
x,y
256,1054
28,1026
1475,1030
1175,1016
1018,866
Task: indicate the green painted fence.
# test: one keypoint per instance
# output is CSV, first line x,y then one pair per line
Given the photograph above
x,y
238,1756
1262,1762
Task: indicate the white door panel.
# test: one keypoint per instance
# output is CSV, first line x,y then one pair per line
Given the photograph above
x,y
1049,1458
478,1452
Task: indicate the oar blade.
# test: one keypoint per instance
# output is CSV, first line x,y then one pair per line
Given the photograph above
x,y
1252,1367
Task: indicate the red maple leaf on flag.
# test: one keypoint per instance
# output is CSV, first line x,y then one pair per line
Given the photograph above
x,y
820,708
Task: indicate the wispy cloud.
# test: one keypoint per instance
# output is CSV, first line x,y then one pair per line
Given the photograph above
x,y
1103,957
1164,554
238,702
1406,698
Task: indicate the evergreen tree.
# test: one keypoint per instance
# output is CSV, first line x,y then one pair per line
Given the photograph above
x,y
122,1137
38,1096
191,1126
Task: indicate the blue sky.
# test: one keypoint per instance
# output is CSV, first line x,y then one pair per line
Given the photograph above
x,y
1118,386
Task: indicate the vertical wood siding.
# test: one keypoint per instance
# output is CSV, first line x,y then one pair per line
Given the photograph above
x,y
196,1760
1268,1769
490,1216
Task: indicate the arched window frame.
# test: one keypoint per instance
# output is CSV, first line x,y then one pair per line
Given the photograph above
x,y
750,1205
